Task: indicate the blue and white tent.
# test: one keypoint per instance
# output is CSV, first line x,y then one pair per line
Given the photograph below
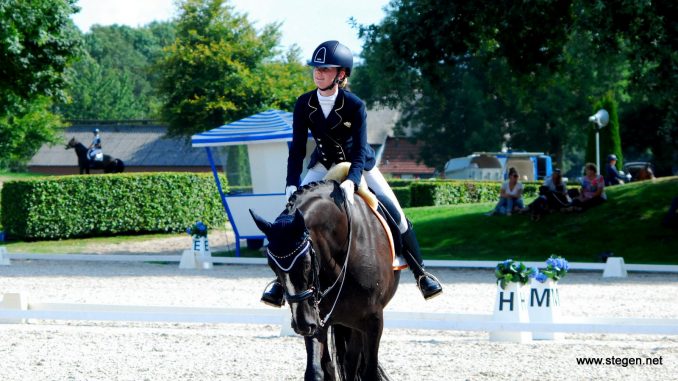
x,y
267,126
267,135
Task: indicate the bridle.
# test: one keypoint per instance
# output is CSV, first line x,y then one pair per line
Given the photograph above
x,y
306,248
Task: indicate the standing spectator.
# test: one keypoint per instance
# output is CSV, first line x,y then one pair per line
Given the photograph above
x,y
511,195
592,189
612,175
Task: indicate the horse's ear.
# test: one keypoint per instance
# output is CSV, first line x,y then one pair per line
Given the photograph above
x,y
261,223
298,220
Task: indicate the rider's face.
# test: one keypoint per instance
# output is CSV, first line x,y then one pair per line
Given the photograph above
x,y
323,76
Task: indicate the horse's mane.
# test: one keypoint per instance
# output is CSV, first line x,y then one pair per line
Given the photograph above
x,y
291,205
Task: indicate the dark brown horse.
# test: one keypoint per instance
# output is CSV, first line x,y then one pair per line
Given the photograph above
x,y
109,164
333,260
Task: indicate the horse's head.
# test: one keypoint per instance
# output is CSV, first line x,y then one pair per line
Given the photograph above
x,y
291,256
71,143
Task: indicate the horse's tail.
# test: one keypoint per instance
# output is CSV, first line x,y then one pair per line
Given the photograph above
x,y
339,346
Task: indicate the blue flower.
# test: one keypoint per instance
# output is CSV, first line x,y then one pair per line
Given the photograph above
x,y
533,272
541,277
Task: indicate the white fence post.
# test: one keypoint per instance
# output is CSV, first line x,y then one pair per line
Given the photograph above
x,y
4,257
615,268
13,301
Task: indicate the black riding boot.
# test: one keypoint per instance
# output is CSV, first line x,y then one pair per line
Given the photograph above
x,y
273,294
428,284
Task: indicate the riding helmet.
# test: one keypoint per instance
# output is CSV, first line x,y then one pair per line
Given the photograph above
x,y
611,157
332,54
95,131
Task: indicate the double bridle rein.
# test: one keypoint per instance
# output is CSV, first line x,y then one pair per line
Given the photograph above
x,y
304,248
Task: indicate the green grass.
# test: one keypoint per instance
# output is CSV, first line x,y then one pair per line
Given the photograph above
x,y
78,246
628,225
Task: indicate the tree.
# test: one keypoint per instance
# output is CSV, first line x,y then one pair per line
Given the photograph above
x,y
538,66
37,42
114,77
221,69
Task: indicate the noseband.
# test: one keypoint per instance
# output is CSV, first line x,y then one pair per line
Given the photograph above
x,y
304,248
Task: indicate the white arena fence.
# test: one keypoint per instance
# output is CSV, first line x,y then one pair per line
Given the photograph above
x,y
586,266
15,308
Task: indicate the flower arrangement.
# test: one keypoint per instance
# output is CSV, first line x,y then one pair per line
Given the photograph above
x,y
556,268
511,271
198,229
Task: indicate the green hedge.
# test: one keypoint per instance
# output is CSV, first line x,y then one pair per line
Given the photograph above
x,y
404,196
396,183
80,206
435,193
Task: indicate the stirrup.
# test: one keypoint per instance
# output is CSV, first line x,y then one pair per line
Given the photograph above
x,y
433,292
269,298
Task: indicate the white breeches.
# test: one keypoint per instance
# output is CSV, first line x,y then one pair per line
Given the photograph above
x,y
375,181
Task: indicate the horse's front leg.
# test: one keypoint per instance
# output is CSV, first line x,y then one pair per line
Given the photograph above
x,y
371,335
318,360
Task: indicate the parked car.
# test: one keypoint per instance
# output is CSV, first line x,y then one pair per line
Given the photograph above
x,y
639,170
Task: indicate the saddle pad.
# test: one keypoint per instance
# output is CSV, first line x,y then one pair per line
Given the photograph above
x,y
338,173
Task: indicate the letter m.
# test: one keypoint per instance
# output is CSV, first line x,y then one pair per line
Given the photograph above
x,y
534,295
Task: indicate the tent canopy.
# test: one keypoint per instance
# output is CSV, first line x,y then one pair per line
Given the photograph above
x,y
264,127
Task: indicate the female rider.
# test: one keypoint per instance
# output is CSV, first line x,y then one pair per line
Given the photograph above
x,y
337,121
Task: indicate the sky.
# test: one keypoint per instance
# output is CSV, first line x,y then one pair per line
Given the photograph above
x,y
306,23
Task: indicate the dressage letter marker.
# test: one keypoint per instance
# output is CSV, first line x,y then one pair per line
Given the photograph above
x,y
544,307
511,307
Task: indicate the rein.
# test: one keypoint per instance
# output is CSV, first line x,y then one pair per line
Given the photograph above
x,y
303,249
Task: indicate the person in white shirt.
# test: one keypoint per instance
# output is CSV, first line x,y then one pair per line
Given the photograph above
x,y
511,195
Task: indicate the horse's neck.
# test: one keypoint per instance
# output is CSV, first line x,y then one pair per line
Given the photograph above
x,y
330,241
79,147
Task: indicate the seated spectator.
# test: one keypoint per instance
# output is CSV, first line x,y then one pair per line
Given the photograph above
x,y
552,196
592,189
612,175
511,196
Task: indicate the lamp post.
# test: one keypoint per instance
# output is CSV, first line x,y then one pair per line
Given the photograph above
x,y
601,118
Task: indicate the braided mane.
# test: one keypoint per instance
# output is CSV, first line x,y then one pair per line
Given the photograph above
x,y
290,206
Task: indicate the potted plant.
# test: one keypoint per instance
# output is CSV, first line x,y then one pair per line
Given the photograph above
x,y
544,300
556,268
197,230
510,271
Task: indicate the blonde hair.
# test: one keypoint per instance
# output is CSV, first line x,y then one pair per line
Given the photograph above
x,y
344,81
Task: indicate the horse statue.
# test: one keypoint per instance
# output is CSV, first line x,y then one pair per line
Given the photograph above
x,y
334,261
108,164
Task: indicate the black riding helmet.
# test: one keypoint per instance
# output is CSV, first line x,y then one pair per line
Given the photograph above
x,y
332,54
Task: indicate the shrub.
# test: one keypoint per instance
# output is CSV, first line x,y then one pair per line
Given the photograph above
x,y
404,196
436,193
397,183
79,206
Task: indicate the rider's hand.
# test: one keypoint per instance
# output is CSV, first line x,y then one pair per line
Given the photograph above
x,y
348,187
289,190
